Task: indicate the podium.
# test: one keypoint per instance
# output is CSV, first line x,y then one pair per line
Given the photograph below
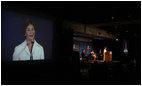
x,y
108,56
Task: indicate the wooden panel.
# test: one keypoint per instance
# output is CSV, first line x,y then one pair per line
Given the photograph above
x,y
108,56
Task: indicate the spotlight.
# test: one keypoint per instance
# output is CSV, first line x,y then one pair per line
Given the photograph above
x,y
115,26
112,17
116,39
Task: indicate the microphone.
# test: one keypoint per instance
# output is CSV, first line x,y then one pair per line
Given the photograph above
x,y
31,56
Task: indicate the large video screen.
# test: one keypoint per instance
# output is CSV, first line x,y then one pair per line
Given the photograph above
x,y
13,43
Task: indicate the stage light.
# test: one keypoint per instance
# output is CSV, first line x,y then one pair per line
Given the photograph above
x,y
112,17
115,26
116,39
129,16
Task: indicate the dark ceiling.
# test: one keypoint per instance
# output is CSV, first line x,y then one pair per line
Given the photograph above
x,y
82,11
86,12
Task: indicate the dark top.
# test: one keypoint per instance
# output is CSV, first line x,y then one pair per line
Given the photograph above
x,y
83,55
100,54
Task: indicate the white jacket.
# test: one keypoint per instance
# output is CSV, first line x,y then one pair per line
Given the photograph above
x,y
22,52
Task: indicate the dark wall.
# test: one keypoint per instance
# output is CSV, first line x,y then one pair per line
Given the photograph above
x,y
62,43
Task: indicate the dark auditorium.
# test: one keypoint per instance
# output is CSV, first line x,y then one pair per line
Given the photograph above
x,y
71,42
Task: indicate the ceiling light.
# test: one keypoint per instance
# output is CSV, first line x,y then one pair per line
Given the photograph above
x,y
112,17
115,26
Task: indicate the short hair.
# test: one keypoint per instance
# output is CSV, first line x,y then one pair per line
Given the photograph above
x,y
82,50
26,23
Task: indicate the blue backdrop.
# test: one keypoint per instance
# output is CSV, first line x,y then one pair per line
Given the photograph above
x,y
82,45
11,33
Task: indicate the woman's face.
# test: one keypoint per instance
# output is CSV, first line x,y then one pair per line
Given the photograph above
x,y
30,32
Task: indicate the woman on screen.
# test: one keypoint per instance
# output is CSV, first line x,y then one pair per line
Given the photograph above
x,y
29,49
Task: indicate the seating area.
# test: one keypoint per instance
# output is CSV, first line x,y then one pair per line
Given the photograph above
x,y
48,72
